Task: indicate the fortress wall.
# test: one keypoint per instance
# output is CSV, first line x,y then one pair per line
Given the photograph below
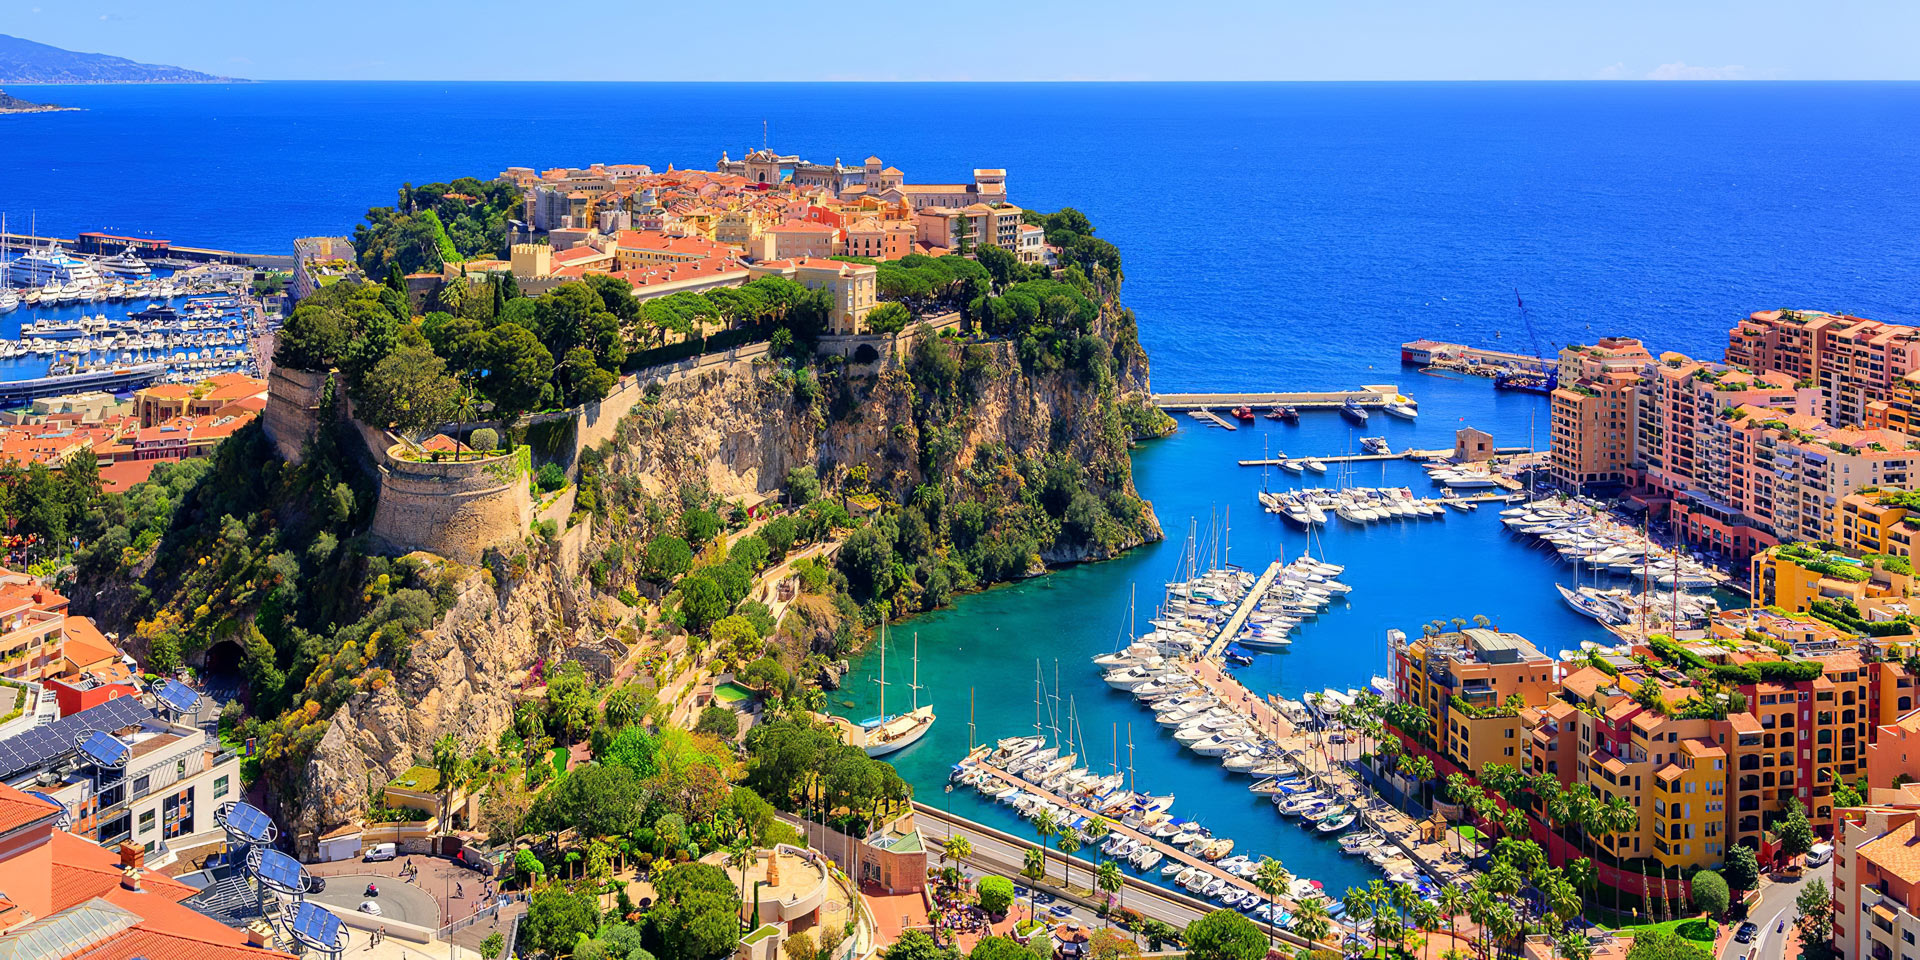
x,y
456,510
293,409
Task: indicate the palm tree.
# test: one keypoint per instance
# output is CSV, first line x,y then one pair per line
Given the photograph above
x,y
1270,878
449,762
1453,903
741,856
1035,870
1068,844
1108,879
1046,826
1310,920
957,847
1582,875
1359,904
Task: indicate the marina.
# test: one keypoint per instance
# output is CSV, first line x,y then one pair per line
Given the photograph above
x,y
1377,396
987,638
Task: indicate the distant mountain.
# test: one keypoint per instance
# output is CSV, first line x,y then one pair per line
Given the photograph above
x,y
24,61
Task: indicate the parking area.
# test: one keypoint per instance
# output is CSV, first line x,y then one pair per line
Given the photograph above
x,y
454,890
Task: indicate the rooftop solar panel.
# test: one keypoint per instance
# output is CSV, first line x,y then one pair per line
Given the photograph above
x,y
105,750
246,820
177,696
49,742
280,871
316,927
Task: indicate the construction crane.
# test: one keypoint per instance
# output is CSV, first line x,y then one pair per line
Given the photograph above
x,y
1543,380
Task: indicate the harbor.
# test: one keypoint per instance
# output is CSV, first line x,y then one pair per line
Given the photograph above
x,y
985,644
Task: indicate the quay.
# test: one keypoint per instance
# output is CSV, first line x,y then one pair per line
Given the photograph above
x,y
1408,454
148,248
1377,395
15,393
1242,611
1478,361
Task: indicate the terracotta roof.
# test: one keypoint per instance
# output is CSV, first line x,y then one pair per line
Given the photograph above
x,y
17,809
1896,852
121,476
85,645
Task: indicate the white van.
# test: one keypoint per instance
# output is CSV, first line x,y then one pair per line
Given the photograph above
x,y
381,851
1820,854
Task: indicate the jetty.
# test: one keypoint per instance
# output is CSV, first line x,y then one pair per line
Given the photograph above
x,y
1242,611
1478,361
1378,395
1407,454
1211,419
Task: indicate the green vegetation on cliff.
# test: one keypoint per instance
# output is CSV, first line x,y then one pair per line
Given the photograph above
x,y
437,224
246,550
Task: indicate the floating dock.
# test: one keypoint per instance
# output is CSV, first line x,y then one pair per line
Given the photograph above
x,y
1212,419
1242,611
1377,395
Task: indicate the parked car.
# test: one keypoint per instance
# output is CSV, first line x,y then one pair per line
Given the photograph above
x,y
381,851
1746,932
370,908
316,884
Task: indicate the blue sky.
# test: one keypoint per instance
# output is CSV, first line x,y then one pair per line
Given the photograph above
x,y
996,40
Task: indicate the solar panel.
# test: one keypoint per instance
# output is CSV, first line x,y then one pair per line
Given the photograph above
x,y
318,928
105,750
249,823
177,696
280,871
48,742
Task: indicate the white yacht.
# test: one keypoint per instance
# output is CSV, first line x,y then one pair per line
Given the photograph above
x,y
125,264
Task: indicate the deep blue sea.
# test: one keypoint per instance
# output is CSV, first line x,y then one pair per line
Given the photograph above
x,y
1276,236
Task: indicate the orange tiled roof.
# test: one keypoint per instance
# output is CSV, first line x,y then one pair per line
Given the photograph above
x,y
1896,852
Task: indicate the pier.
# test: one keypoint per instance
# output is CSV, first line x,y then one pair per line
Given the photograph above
x,y
1243,611
1408,454
1377,395
1478,361
1212,419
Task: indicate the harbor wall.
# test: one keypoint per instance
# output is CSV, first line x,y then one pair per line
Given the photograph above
x,y
293,409
454,509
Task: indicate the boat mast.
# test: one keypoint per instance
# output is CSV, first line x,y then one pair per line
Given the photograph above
x,y
1053,708
1130,777
883,671
1039,729
915,685
970,734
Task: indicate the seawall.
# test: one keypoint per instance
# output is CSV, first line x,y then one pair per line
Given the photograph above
x,y
454,509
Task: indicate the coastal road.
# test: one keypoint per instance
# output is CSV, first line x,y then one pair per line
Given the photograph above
x,y
1776,905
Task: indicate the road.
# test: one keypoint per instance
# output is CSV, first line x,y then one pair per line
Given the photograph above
x,y
1774,906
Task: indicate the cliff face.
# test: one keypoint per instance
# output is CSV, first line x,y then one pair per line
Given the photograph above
x,y
734,430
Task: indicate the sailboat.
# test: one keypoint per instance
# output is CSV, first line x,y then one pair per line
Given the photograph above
x,y
890,734
8,299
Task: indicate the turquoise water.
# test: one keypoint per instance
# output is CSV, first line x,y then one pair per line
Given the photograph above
x,y
1403,573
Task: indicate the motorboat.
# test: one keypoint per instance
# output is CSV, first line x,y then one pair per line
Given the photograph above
x,y
1294,466
1375,444
1402,407
1316,465
1354,412
1337,823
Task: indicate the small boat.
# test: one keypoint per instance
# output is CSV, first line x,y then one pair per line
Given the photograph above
x,y
1243,413
1284,413
1353,411
1293,466
1375,444
1338,823
1402,407
1316,465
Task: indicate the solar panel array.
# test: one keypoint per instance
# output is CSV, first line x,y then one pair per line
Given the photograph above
x,y
249,823
281,872
49,742
106,750
316,927
177,696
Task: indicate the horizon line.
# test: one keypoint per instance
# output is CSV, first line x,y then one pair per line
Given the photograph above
x,y
1590,81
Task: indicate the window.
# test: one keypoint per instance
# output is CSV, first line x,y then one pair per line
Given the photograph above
x,y
219,787
146,821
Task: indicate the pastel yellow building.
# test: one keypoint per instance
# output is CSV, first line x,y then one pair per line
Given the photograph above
x,y
1793,576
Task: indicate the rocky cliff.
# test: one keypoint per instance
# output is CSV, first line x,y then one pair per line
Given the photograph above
x,y
734,430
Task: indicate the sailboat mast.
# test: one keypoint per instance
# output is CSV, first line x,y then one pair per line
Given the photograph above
x,y
970,734
915,686
883,671
1039,729
1131,785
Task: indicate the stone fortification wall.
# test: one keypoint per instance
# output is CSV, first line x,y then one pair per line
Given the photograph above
x,y
456,510
293,409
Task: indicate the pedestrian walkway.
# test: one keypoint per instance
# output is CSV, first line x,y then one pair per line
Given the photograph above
x,y
1244,610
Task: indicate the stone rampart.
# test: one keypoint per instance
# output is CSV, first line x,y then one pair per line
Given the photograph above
x,y
293,409
454,509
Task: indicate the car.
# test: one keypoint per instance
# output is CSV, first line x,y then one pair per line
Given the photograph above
x,y
381,851
1060,910
1746,932
369,908
316,884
